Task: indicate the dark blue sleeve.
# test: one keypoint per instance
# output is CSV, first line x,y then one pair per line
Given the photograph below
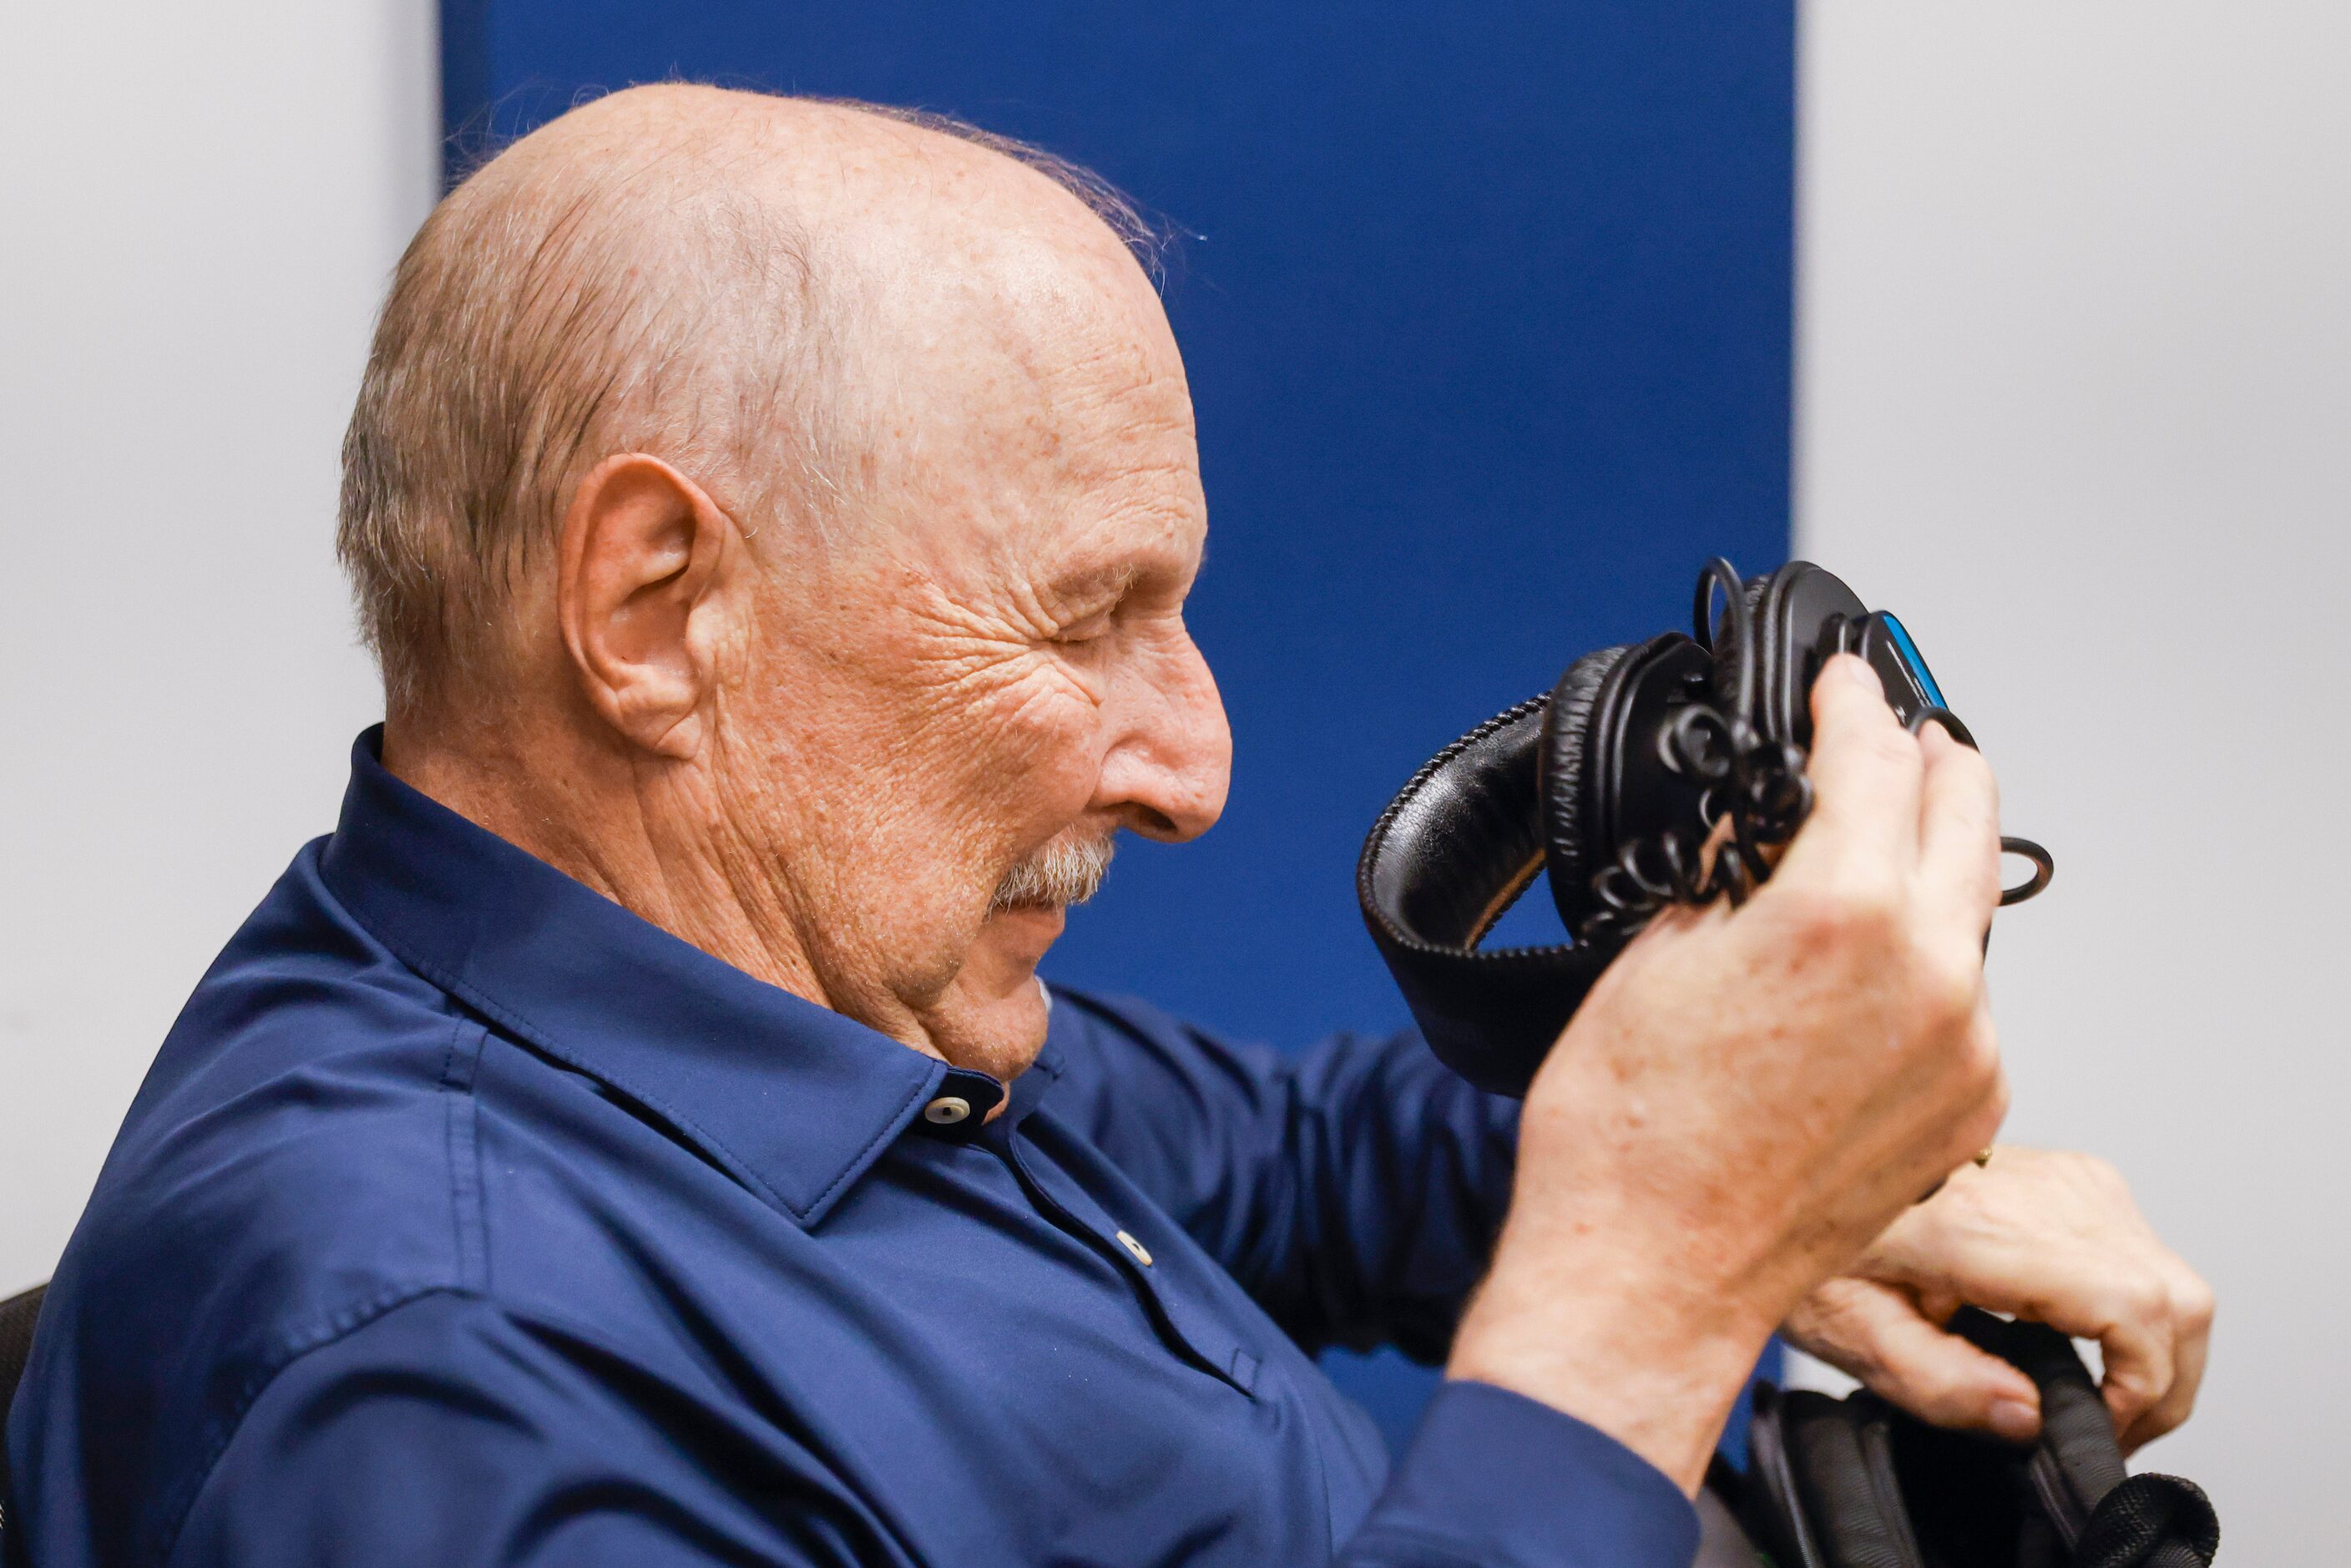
x,y
448,1431
1496,1480
1354,1190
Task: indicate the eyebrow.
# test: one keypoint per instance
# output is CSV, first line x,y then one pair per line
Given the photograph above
x,y
1102,581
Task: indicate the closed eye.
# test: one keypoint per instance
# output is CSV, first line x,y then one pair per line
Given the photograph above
x,y
1088,629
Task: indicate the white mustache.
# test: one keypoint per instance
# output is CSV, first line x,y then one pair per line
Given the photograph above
x,y
1063,873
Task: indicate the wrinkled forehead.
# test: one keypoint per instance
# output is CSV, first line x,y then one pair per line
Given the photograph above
x,y
1029,410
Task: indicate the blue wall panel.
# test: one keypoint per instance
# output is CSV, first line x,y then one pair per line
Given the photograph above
x,y
1487,311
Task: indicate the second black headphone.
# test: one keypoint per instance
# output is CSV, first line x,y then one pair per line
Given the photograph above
x,y
1844,1483
1658,772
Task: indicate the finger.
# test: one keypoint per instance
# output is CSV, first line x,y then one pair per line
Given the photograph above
x,y
1981,1128
1958,837
2055,1237
1866,772
1878,1335
2191,1343
2140,1370
2127,1309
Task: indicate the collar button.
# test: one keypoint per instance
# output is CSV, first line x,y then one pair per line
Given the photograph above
x,y
958,1106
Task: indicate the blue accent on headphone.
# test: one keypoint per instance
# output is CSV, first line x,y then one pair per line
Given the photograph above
x,y
1911,658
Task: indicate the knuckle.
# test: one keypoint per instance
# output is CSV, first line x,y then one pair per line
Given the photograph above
x,y
2192,1303
1812,914
1994,1095
2098,1173
1891,747
1973,768
2145,1298
2127,1403
2139,1388
1950,990
1859,913
1943,988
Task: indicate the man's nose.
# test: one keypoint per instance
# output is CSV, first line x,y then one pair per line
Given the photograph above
x,y
1166,768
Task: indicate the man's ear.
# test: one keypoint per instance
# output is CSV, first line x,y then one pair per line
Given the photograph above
x,y
640,594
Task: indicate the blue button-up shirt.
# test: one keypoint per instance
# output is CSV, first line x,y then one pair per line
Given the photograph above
x,y
465,1217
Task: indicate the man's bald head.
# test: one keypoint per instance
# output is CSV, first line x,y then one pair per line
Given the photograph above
x,y
742,285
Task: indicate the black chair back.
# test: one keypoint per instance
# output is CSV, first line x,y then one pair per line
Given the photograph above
x,y
17,1315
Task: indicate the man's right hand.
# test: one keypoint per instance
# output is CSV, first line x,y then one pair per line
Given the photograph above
x,y
1749,1097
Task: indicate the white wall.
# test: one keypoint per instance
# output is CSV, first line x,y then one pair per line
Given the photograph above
x,y
2075,398
199,205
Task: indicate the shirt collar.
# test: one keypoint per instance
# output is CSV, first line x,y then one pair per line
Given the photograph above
x,y
791,1099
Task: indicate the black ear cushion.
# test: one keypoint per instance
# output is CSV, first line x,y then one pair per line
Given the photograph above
x,y
1567,726
1841,1457
1769,1505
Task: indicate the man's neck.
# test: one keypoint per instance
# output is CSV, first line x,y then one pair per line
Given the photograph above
x,y
588,817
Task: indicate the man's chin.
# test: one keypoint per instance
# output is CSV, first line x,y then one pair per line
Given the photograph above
x,y
1021,935
993,1020
993,1025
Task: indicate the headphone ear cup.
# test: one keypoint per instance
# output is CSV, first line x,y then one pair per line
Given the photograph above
x,y
1790,610
1568,725
2077,1461
1771,1508
1840,1456
1855,1483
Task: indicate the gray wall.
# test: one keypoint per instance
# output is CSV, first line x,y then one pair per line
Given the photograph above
x,y
2075,397
198,207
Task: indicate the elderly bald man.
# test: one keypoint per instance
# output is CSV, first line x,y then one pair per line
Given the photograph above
x,y
638,1134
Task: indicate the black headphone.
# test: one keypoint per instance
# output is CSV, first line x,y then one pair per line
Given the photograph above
x,y
1654,773
1856,1483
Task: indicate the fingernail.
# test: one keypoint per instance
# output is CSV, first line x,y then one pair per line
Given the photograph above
x,y
2016,1421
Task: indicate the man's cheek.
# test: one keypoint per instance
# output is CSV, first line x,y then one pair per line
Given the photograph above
x,y
913,897
1037,749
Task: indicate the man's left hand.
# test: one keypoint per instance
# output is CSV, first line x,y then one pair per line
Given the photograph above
x,y
2046,1235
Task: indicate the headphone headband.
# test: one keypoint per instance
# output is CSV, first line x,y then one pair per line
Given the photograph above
x,y
1454,850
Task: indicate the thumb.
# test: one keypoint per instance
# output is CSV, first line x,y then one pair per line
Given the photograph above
x,y
1877,1333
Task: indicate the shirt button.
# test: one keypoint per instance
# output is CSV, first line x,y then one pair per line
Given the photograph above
x,y
948,1110
1142,1253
